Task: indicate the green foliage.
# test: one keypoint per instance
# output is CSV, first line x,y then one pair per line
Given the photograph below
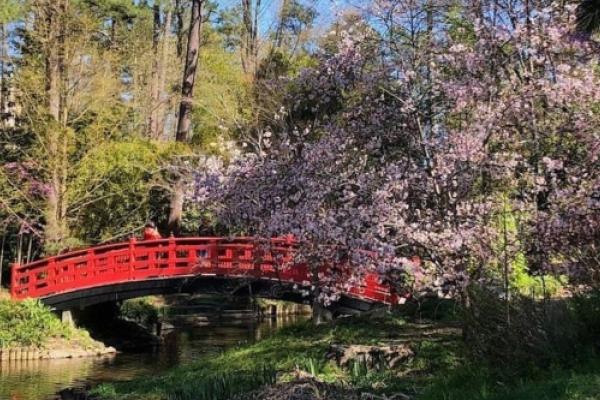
x,y
9,10
114,189
479,383
509,250
118,8
221,95
141,310
28,322
460,28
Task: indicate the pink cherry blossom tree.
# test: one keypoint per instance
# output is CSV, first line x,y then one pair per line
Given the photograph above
x,y
401,166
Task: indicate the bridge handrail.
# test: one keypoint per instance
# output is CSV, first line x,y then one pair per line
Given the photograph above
x,y
169,258
112,246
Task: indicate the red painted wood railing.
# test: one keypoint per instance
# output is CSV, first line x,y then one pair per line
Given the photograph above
x,y
171,258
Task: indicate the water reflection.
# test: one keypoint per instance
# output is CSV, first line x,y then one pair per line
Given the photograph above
x,y
41,379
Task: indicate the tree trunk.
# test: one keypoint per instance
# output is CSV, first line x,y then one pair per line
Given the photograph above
x,y
52,229
53,65
19,258
113,33
278,41
162,73
64,112
29,249
320,314
189,75
249,50
179,27
176,213
55,213
184,122
154,89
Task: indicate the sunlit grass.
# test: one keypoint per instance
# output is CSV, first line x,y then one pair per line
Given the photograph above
x,y
29,323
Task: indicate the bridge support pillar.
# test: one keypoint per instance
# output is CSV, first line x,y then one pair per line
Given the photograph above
x,y
273,311
67,318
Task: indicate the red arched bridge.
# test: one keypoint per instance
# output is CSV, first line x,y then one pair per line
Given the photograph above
x,y
136,268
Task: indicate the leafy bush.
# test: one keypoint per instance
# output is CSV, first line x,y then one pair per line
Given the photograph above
x,y
29,323
140,310
521,333
586,308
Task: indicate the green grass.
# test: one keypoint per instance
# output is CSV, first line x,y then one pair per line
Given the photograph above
x,y
29,323
439,369
579,383
299,347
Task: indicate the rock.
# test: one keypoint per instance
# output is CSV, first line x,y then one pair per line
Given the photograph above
x,y
374,357
59,353
109,350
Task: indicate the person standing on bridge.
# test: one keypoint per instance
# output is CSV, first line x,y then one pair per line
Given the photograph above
x,y
150,232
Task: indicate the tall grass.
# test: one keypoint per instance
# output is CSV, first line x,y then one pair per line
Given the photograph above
x,y
223,386
204,385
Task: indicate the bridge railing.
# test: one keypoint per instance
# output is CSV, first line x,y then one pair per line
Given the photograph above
x,y
172,258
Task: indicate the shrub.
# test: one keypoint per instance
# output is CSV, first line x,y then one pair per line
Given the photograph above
x,y
519,334
29,323
140,310
586,307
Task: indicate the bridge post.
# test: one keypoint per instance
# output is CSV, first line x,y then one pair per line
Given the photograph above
x,y
66,317
132,241
214,254
52,270
90,265
13,279
172,256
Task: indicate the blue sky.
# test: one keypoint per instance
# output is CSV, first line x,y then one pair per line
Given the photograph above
x,y
270,9
327,10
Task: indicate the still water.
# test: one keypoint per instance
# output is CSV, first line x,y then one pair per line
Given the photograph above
x,y
42,379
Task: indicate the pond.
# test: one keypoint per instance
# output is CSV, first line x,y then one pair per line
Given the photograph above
x,y
42,379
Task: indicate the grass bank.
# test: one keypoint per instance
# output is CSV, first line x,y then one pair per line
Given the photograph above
x,y
29,323
437,370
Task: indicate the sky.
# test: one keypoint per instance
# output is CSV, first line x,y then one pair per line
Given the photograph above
x,y
327,10
269,11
